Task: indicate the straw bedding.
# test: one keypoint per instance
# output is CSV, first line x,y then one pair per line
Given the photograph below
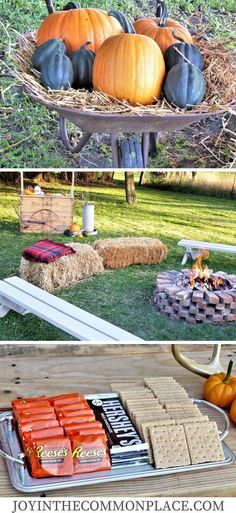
x,y
220,71
126,251
64,271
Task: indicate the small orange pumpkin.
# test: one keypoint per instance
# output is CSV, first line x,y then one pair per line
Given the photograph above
x,y
74,228
129,67
161,29
233,411
77,26
220,389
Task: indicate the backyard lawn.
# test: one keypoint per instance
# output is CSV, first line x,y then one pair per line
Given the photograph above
x,y
124,296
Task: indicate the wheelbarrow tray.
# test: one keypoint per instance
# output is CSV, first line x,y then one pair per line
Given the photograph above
x,y
127,152
113,123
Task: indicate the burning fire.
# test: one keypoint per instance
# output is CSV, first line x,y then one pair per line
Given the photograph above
x,y
200,277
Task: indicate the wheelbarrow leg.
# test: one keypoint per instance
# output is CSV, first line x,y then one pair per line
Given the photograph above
x,y
145,147
65,137
154,138
115,150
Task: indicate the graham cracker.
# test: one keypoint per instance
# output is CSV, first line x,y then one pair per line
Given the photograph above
x,y
169,446
146,435
203,442
188,420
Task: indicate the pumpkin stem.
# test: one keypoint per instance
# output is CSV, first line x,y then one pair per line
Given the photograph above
x,y
84,46
160,7
177,37
50,6
229,370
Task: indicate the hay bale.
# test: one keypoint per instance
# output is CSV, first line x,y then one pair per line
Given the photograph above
x,y
125,251
64,271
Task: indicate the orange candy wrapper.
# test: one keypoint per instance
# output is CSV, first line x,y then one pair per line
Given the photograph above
x,y
18,407
41,416
90,453
33,425
66,421
74,429
74,413
66,399
30,436
29,412
50,457
72,407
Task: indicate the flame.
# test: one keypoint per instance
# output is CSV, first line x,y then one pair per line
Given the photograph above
x,y
203,276
197,271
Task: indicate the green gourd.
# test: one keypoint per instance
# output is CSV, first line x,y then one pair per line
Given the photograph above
x,y
123,20
179,52
82,62
70,5
57,72
184,86
44,51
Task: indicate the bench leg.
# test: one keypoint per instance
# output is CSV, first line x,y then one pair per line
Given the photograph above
x,y
186,256
6,305
4,310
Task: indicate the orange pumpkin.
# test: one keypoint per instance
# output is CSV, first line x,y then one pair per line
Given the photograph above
x,y
129,67
161,29
233,411
77,26
74,228
220,389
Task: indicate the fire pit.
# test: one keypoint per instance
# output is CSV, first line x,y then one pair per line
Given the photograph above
x,y
197,295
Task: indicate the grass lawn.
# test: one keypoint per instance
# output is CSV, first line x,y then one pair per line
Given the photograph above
x,y
124,296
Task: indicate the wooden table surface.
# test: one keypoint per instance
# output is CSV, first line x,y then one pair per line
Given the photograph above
x,y
32,370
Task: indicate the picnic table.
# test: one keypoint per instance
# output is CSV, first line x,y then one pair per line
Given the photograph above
x,y
27,369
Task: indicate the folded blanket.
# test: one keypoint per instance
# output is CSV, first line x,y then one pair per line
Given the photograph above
x,y
46,251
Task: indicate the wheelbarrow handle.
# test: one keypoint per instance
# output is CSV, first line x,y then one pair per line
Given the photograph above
x,y
50,6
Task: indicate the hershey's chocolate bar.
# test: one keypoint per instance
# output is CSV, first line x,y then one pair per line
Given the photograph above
x,y
121,433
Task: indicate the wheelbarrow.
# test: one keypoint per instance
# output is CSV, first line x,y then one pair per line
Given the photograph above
x,y
129,151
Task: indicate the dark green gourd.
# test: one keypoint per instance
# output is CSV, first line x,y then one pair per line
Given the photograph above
x,y
180,51
82,62
57,72
44,51
123,20
184,86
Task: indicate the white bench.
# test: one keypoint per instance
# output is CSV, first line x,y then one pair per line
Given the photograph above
x,y
23,297
195,248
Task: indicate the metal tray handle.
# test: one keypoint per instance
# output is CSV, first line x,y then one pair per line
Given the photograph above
x,y
225,432
21,457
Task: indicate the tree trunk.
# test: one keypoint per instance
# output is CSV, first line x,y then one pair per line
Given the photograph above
x,y
130,188
141,178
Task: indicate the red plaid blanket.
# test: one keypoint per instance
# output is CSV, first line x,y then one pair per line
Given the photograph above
x,y
46,251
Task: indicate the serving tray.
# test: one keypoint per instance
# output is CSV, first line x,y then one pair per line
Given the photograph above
x,y
22,481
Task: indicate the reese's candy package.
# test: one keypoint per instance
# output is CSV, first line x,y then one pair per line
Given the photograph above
x,y
50,457
32,425
29,436
82,405
29,412
74,413
73,429
23,404
90,453
40,416
66,421
65,399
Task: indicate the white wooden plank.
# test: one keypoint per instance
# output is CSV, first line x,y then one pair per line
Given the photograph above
x,y
98,324
207,245
74,327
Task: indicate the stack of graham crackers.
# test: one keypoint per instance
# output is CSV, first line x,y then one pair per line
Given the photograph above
x,y
166,418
